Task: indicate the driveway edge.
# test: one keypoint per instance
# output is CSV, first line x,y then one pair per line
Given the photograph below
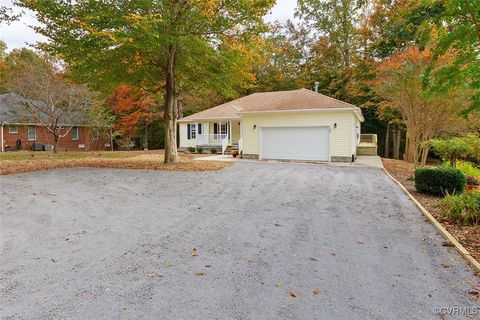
x,y
464,252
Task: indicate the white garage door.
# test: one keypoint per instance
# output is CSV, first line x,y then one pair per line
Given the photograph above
x,y
294,143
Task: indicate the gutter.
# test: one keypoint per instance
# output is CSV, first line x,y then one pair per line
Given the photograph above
x,y
357,111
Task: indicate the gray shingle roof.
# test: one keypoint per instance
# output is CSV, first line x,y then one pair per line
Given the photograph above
x,y
13,110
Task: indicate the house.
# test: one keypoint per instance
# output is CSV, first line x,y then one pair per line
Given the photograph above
x,y
20,131
285,125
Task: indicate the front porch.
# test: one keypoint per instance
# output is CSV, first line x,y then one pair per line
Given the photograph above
x,y
222,134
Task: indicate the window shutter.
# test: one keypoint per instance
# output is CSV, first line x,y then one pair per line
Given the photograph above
x,y
215,128
199,128
188,131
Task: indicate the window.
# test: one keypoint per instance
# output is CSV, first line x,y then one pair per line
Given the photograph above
x,y
193,131
32,133
95,135
12,129
75,133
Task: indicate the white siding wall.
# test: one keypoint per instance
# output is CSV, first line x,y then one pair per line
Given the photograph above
x,y
340,138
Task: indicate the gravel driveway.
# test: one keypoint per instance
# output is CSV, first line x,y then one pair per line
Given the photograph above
x,y
117,244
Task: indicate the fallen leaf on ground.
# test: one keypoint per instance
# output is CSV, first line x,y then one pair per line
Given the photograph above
x,y
249,261
292,293
194,252
208,265
333,254
279,285
474,293
200,273
445,266
313,258
316,291
360,242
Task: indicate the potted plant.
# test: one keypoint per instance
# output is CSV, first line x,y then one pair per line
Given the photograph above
x,y
234,153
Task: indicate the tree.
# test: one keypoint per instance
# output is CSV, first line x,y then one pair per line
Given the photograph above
x,y
54,102
407,83
155,45
134,109
456,148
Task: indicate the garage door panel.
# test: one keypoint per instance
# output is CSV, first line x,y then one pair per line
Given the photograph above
x,y
295,143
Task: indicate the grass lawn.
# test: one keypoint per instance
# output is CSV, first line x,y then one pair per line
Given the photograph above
x,y
28,155
25,161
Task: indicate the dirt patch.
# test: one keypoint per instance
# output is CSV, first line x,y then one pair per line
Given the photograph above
x,y
145,161
468,236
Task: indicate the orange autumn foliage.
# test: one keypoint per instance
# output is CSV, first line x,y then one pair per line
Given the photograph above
x,y
132,108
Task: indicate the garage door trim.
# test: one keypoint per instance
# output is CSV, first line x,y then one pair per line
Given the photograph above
x,y
260,146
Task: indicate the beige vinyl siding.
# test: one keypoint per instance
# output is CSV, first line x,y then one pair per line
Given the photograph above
x,y
340,138
235,131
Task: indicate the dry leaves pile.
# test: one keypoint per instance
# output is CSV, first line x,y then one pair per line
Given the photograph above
x,y
146,162
468,236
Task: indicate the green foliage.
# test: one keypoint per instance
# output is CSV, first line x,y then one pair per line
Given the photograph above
x,y
468,168
463,208
199,150
440,180
191,149
456,148
213,150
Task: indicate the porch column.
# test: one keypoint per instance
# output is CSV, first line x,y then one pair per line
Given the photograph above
x,y
229,132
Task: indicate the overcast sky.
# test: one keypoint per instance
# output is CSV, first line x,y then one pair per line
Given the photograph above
x,y
19,34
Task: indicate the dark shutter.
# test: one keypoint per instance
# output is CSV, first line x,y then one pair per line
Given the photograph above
x,y
215,128
188,131
199,128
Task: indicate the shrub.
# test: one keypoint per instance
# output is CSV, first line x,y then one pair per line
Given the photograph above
x,y
199,149
213,150
191,149
463,208
440,180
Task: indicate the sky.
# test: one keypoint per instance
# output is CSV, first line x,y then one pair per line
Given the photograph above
x,y
19,34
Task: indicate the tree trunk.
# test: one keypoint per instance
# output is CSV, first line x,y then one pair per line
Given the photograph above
x,y
171,155
387,141
397,138
56,140
145,137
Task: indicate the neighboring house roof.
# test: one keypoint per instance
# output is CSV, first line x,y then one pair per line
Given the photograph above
x,y
14,111
293,100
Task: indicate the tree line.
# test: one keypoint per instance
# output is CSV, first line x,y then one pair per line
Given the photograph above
x,y
412,66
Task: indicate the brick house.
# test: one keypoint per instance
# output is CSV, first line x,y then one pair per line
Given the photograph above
x,y
19,131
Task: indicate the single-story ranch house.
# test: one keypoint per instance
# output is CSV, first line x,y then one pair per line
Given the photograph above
x,y
285,125
20,131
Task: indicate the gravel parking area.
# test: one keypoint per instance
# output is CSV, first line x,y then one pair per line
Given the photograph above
x,y
119,244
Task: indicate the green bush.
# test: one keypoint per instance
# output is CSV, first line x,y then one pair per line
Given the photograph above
x,y
199,149
463,208
440,180
213,150
191,149
456,148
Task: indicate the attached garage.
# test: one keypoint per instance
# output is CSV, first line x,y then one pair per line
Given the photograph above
x,y
294,143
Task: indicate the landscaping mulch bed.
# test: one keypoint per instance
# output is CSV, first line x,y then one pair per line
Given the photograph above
x,y
468,236
148,162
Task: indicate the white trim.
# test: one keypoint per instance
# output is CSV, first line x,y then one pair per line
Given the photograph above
x,y
301,110
35,131
260,138
78,133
